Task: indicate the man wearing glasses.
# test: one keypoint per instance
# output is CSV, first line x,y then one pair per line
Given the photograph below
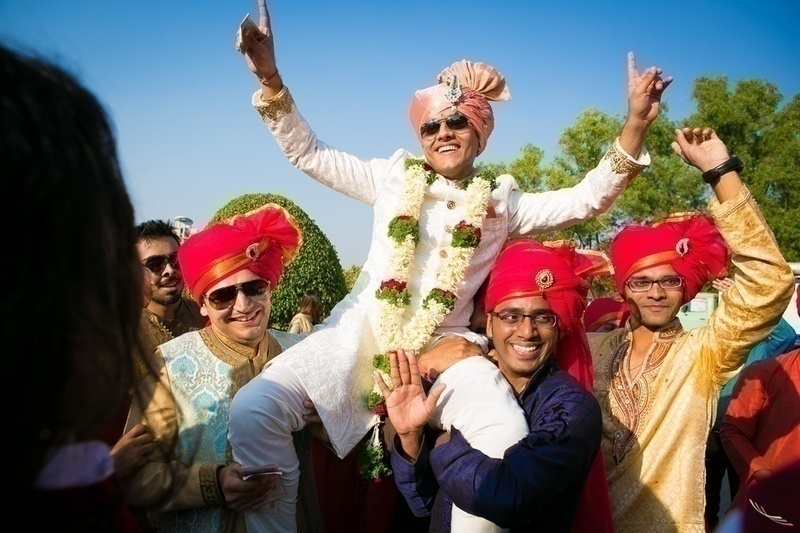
x,y
535,298
657,384
190,482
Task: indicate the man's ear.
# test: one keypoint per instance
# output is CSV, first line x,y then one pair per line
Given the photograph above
x,y
488,326
203,310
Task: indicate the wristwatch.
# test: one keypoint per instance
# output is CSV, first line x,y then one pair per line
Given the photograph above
x,y
734,163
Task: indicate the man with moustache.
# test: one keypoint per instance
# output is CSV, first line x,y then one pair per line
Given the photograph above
x,y
191,482
168,314
658,385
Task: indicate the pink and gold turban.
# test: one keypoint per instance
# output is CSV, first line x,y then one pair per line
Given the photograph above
x,y
688,242
470,86
264,241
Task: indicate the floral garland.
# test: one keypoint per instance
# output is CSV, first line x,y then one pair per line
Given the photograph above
x,y
394,331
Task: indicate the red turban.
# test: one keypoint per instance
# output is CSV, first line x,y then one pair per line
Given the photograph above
x,y
689,243
601,311
558,273
467,86
263,241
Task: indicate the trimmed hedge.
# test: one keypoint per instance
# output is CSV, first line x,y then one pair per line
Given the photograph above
x,y
316,266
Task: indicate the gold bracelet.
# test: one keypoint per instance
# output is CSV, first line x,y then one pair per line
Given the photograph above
x,y
265,81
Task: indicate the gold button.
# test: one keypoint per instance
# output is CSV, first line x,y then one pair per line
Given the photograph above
x,y
448,229
451,204
442,253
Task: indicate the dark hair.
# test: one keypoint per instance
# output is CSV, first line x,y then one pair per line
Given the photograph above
x,y
72,302
311,305
155,229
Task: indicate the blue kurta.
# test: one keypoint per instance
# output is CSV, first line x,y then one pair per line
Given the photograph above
x,y
536,486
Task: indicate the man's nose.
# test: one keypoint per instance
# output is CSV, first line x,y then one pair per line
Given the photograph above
x,y
656,292
444,131
526,329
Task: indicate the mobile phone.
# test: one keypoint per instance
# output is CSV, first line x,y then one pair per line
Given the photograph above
x,y
248,24
260,470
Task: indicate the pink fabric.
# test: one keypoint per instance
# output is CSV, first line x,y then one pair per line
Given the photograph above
x,y
690,243
479,84
264,241
601,311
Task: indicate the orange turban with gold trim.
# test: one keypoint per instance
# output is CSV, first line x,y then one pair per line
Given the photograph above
x,y
264,241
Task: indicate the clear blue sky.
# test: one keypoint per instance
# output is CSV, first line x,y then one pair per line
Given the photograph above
x,y
179,94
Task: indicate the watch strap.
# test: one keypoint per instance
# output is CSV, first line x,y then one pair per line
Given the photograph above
x,y
712,175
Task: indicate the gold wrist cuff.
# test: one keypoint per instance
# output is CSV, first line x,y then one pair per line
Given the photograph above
x,y
275,107
622,164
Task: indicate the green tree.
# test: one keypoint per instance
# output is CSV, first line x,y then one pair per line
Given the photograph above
x,y
315,267
351,275
766,137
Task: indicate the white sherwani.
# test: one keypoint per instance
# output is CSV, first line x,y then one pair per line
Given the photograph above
x,y
334,364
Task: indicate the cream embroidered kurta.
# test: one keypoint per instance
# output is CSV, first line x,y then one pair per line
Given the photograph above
x,y
335,362
655,422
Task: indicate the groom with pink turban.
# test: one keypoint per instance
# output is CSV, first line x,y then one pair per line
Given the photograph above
x,y
438,227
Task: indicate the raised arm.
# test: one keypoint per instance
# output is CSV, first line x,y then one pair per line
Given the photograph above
x,y
532,213
763,281
702,149
644,100
258,46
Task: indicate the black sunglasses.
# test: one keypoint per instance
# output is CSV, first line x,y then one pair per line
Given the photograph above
x,y
157,263
226,296
454,122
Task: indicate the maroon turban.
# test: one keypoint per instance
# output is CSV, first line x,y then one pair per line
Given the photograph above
x,y
263,241
689,243
601,311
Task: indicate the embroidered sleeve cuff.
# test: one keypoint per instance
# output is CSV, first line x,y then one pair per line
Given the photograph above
x,y
208,485
622,163
274,108
722,210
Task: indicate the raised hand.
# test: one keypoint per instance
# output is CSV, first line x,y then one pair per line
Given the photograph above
x,y
700,148
407,405
645,91
258,45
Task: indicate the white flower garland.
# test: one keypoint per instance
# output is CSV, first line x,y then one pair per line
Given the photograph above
x,y
392,333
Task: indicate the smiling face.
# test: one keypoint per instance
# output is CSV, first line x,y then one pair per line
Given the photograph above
x,y
246,320
450,153
657,307
523,348
167,285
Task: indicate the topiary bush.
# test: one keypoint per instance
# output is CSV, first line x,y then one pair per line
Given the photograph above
x,y
316,266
